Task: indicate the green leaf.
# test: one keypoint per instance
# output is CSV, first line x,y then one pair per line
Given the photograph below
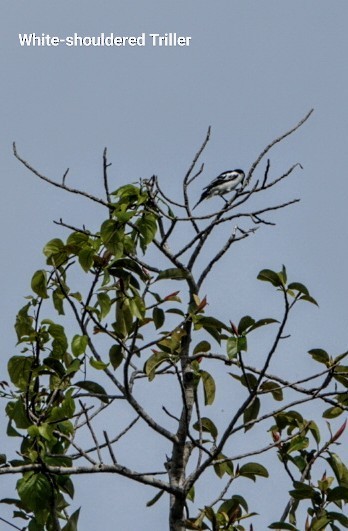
x,y
267,275
127,191
211,322
64,482
297,286
93,388
191,494
176,311
120,272
340,357
79,345
60,342
262,322
104,303
290,418
112,236
24,323
249,380
65,410
173,273
333,412
341,518
251,413
314,431
124,317
72,522
77,239
55,252
155,499
116,356
301,289
232,347
55,365
302,491
58,298
39,283
339,468
282,525
3,460
147,226
320,524
310,299
338,493
86,258
123,216
35,491
206,425
235,345
17,413
298,443
137,307
77,295
209,387
46,431
245,323
11,432
340,374
320,355
282,275
158,317
53,247
211,325
131,265
153,362
242,344
74,366
274,388
251,470
97,364
227,466
19,369
203,346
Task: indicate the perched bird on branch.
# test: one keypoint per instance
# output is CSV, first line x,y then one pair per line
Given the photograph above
x,y
223,184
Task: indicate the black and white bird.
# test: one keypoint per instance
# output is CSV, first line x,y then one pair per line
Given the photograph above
x,y
223,184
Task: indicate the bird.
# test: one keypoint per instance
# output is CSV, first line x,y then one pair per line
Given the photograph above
x,y
223,184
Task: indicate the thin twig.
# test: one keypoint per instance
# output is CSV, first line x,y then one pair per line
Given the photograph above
x,y
273,143
106,165
111,452
62,186
92,432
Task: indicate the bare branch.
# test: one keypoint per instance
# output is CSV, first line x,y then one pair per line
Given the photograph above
x,y
111,452
92,432
140,477
233,238
186,180
196,157
62,185
106,165
273,143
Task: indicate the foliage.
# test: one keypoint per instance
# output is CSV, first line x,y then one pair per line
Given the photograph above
x,y
104,321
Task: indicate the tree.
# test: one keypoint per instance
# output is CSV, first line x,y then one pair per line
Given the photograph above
x,y
106,323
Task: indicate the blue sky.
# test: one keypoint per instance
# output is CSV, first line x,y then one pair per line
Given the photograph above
x,y
253,70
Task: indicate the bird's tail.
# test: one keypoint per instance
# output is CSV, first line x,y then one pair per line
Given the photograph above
x,y
196,205
203,196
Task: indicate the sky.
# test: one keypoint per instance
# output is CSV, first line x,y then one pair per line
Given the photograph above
x,y
252,70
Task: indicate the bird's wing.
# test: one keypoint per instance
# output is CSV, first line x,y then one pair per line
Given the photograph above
x,y
215,182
